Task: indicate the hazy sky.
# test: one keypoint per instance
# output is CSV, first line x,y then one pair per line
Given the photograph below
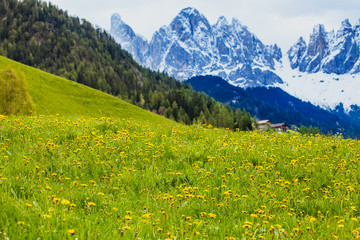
x,y
272,21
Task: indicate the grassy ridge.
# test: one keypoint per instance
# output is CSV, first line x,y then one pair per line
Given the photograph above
x,y
56,95
104,178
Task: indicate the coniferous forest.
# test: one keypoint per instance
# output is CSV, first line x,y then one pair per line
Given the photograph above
x,y
41,35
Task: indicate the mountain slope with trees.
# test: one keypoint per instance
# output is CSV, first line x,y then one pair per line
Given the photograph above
x,y
276,105
41,35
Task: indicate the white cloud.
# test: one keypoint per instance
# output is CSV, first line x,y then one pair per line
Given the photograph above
x,y
275,21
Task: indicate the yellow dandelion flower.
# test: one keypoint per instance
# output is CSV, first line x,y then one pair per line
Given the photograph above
x,y
71,231
211,215
65,202
91,204
20,223
28,205
127,217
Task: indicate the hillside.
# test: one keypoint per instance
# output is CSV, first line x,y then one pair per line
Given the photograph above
x,y
276,105
105,178
55,95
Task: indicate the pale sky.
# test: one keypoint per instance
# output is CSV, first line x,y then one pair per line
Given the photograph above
x,y
272,21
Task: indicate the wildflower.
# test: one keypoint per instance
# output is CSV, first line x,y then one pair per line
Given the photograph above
x,y
28,205
65,202
20,223
46,216
211,215
247,226
100,194
91,204
127,217
48,188
71,231
126,228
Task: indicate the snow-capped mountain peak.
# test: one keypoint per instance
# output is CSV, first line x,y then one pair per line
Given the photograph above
x,y
191,46
222,21
323,70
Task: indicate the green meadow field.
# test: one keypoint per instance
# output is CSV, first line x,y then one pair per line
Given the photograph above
x,y
86,165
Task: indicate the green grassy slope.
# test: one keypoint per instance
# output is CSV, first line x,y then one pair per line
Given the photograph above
x,y
104,178
55,95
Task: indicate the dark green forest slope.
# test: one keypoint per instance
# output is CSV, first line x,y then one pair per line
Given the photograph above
x,y
41,35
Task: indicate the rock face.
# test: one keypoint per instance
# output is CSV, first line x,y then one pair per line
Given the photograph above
x,y
190,46
135,44
328,52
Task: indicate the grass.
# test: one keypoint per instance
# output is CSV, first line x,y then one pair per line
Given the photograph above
x,y
54,95
91,178
87,165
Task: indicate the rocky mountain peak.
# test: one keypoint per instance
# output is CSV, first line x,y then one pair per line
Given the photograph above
x,y
190,46
135,44
318,41
116,18
346,24
222,21
345,29
328,52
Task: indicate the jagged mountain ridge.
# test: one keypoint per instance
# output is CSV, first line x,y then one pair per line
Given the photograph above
x,y
191,46
323,71
328,52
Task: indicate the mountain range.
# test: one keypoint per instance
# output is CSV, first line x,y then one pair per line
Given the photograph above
x,y
323,71
191,46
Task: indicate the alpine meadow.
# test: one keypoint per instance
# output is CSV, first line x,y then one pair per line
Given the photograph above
x,y
138,155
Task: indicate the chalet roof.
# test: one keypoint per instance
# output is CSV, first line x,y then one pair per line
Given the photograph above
x,y
263,122
276,125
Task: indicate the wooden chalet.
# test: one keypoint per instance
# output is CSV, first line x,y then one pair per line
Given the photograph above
x,y
280,127
266,124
